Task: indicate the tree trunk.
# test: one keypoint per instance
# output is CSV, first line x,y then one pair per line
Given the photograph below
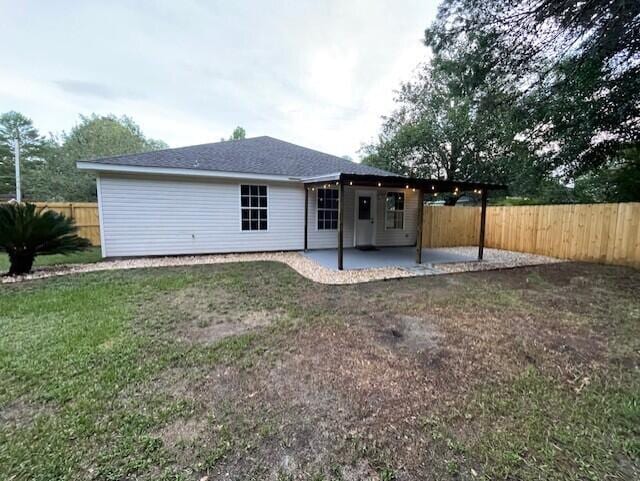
x,y
20,264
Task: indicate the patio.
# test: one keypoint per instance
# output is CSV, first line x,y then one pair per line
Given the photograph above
x,y
404,257
363,217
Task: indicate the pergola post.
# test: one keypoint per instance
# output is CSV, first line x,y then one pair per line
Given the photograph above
x,y
419,226
340,225
483,219
306,216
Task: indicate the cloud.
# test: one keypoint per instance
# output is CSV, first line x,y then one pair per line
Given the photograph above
x,y
315,73
92,89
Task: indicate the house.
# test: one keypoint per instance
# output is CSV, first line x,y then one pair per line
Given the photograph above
x,y
257,194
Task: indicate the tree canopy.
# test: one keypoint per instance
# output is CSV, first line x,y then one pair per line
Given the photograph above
x,y
49,165
539,94
238,134
33,147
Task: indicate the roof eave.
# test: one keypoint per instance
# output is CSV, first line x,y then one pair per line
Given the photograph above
x,y
98,167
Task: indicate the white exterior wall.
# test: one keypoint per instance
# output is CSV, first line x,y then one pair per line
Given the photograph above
x,y
398,237
323,239
165,215
174,215
328,239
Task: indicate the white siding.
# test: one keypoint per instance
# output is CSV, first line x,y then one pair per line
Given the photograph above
x,y
328,239
398,237
321,239
165,215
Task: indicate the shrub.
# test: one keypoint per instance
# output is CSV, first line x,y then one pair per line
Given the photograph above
x,y
27,231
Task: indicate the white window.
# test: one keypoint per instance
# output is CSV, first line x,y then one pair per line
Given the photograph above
x,y
253,204
327,209
394,210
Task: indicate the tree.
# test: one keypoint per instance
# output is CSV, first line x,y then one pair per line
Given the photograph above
x,y
95,136
16,127
617,182
27,231
537,94
576,65
453,122
238,134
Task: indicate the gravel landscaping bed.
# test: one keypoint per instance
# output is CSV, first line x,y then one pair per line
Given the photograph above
x,y
494,259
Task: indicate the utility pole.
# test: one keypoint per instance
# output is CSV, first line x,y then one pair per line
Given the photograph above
x,y
17,162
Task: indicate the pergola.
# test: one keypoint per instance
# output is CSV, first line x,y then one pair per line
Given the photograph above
x,y
423,186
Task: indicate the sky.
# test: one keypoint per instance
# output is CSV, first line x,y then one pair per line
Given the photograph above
x,y
316,73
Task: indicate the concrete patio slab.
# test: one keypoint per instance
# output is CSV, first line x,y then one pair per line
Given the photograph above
x,y
386,257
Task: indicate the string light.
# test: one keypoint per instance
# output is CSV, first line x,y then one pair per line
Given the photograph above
x,y
433,187
406,186
414,189
379,184
351,182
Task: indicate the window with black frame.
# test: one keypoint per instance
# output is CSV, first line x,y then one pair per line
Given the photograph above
x,y
394,210
327,209
253,204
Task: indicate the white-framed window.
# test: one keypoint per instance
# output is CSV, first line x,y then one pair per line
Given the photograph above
x,y
394,210
327,209
253,207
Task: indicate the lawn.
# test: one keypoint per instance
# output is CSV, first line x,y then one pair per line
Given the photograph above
x,y
249,371
83,257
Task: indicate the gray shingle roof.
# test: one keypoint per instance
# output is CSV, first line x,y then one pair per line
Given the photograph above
x,y
258,155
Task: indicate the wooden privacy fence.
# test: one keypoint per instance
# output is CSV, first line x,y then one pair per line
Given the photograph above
x,y
84,213
605,233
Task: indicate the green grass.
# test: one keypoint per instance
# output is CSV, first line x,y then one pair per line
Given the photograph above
x,y
82,359
71,348
83,257
67,353
543,430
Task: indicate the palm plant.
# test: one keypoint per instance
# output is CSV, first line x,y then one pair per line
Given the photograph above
x,y
27,231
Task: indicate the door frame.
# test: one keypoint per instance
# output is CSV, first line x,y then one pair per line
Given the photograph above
x,y
373,194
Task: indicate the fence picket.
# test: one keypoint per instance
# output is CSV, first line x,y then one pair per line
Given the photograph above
x,y
606,233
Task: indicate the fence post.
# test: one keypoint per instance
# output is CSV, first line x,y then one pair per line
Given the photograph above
x,y
419,226
483,220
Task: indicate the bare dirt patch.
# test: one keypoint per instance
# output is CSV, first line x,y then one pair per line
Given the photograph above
x,y
181,431
206,316
22,412
213,332
414,333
